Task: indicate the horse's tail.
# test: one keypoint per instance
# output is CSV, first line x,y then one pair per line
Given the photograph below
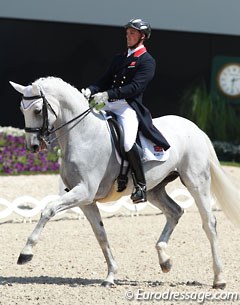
x,y
222,188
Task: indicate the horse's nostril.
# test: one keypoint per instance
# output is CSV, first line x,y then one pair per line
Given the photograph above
x,y
35,148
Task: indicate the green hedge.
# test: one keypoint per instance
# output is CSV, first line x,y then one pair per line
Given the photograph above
x,y
227,151
217,117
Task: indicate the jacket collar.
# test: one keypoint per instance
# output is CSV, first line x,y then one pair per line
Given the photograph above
x,y
140,52
137,52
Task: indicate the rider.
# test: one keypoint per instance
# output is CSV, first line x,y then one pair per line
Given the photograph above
x,y
121,89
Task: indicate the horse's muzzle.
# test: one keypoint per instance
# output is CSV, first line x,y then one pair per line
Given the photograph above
x,y
36,147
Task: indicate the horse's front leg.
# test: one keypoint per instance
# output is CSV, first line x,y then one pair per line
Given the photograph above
x,y
77,196
93,215
26,254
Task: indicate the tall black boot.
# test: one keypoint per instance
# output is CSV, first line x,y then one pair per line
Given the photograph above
x,y
134,158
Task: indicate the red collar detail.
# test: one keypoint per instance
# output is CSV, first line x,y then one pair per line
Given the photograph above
x,y
140,52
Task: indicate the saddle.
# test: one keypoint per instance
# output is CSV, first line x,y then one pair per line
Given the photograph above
x,y
117,135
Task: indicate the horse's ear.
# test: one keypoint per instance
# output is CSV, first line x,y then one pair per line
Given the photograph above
x,y
35,89
17,87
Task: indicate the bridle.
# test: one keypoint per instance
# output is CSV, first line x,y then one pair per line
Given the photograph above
x,y
44,131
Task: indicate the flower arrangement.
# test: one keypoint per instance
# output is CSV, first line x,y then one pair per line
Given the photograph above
x,y
15,159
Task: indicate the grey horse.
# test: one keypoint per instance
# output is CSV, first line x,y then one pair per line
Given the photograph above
x,y
89,169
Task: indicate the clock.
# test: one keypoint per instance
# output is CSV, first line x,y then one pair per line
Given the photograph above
x,y
225,79
228,79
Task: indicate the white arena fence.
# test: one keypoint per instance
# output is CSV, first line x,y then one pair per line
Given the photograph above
x,y
29,207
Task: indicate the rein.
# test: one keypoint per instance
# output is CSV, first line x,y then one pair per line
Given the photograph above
x,y
44,130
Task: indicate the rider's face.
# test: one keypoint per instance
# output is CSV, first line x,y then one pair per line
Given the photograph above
x,y
133,37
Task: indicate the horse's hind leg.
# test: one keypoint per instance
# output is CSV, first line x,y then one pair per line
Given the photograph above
x,y
199,187
209,225
93,215
172,212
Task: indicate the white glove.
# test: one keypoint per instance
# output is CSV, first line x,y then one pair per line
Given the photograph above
x,y
87,93
100,97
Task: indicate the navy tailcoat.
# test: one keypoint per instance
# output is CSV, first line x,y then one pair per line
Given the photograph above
x,y
127,78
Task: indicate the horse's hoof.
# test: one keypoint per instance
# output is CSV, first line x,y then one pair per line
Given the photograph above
x,y
108,284
166,266
219,286
24,258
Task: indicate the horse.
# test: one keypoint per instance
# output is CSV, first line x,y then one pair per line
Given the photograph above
x,y
89,168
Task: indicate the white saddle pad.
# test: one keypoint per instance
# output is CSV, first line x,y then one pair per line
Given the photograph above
x,y
152,152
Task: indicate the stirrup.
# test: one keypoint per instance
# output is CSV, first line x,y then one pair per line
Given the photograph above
x,y
140,194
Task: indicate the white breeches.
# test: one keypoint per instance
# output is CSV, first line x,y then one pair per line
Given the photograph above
x,y
127,117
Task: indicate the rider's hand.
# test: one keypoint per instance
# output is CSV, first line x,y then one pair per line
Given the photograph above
x,y
100,97
87,93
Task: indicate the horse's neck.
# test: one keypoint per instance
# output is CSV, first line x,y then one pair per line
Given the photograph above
x,y
85,135
71,105
82,130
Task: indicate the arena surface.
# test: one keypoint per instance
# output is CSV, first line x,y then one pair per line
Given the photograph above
x,y
68,266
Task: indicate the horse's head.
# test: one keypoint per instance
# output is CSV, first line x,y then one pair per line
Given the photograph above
x,y
39,115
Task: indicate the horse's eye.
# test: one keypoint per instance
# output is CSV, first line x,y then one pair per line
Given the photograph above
x,y
37,111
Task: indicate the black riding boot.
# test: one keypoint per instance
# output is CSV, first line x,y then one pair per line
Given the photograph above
x,y
134,158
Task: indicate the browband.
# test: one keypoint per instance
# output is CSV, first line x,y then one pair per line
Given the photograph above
x,y
28,98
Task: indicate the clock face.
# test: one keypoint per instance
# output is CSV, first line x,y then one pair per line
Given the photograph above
x,y
228,80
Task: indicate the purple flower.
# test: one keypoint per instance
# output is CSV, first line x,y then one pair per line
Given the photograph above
x,y
14,158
